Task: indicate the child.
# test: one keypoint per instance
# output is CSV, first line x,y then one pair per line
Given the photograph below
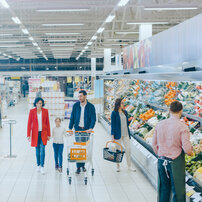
x,y
58,143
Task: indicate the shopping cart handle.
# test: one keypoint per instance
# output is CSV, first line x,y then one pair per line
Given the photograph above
x,y
71,131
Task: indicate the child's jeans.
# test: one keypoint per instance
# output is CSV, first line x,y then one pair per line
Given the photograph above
x,y
58,150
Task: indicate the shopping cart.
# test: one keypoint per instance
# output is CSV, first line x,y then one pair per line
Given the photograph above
x,y
80,150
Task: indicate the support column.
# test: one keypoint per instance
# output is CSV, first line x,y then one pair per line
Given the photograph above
x,y
118,62
145,31
107,59
93,71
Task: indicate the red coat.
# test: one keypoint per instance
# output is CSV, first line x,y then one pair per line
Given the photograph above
x,y
32,127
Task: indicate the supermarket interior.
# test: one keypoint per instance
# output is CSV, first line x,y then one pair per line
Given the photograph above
x,y
145,52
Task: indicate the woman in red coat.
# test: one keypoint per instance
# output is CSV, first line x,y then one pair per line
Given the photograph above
x,y
38,131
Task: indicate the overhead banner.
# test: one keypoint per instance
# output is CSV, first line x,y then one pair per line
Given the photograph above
x,y
181,43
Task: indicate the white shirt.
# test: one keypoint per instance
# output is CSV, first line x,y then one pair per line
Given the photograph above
x,y
81,123
58,135
39,116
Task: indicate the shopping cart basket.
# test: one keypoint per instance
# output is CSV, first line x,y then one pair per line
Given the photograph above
x,y
80,150
116,156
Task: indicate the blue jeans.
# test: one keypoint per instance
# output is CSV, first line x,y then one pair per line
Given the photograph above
x,y
79,138
166,184
40,151
58,150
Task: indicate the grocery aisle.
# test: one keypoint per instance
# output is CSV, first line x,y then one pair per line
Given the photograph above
x,y
20,182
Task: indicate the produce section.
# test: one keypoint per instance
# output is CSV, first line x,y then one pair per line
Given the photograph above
x,y
147,103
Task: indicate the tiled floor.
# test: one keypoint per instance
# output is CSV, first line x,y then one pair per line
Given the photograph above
x,y
20,182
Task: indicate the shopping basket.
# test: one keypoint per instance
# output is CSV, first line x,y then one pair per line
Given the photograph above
x,y
115,157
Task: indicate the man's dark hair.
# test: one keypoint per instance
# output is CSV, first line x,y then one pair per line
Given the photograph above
x,y
83,92
37,100
176,106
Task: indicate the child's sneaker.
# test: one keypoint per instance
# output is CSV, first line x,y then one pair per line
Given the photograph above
x,y
56,167
60,170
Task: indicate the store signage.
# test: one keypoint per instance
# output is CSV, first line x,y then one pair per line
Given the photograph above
x,y
76,79
69,79
181,43
9,121
15,78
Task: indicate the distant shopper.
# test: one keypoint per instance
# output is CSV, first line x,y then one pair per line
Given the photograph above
x,y
58,134
170,141
24,88
39,93
83,118
120,130
38,131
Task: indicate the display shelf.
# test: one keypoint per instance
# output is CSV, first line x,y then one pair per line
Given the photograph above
x,y
183,113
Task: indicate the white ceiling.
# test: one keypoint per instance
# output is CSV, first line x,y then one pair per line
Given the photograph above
x,y
64,41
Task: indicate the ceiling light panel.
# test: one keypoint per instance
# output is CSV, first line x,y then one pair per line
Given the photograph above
x,y
54,25
61,34
16,20
4,3
65,10
110,18
123,3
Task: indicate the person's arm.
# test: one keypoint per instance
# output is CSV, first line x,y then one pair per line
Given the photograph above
x,y
186,144
64,132
154,142
48,125
29,125
93,118
126,113
72,118
113,124
53,133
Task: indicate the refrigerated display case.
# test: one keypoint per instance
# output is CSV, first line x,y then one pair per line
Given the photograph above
x,y
147,102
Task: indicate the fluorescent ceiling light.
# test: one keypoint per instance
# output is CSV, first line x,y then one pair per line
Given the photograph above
x,y
89,43
61,40
126,32
94,37
50,25
41,51
13,45
146,23
64,10
4,54
170,9
31,38
100,30
25,31
83,51
52,34
4,4
86,47
35,44
62,45
38,48
110,18
123,2
16,20
116,44
6,35
9,41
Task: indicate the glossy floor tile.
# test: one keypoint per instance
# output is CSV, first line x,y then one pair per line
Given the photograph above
x,y
19,181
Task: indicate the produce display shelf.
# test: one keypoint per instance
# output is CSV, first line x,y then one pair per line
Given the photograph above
x,y
184,114
145,158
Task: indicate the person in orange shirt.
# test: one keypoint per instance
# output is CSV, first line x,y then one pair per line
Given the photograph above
x,y
170,141
38,131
